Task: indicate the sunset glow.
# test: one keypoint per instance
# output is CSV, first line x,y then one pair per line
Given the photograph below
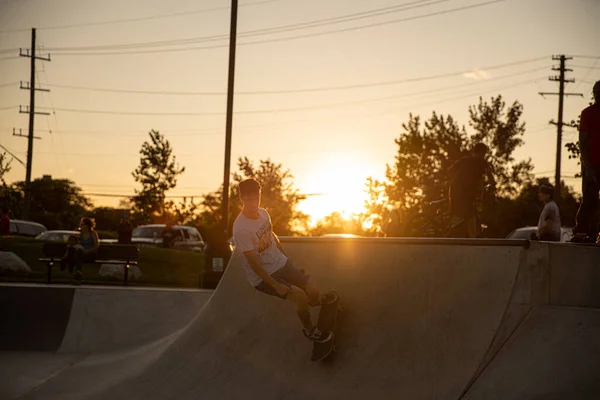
x,y
337,185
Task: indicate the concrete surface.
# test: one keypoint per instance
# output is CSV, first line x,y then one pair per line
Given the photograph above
x,y
423,319
92,336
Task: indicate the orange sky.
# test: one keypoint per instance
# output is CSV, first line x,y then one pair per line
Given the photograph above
x,y
322,134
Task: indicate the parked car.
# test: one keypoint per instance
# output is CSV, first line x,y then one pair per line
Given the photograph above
x,y
25,228
186,237
525,233
57,236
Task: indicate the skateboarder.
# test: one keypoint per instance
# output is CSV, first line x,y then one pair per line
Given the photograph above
x,y
466,178
267,266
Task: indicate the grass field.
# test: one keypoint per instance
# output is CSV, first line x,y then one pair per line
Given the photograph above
x,y
159,266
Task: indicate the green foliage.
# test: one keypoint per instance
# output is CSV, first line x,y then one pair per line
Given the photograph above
x,y
426,150
159,266
279,198
4,167
184,212
55,203
107,218
336,223
573,149
157,173
6,192
502,132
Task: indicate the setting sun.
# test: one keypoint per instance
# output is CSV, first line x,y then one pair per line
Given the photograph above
x,y
336,184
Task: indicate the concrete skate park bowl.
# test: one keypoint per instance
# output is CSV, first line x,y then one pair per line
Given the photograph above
x,y
423,319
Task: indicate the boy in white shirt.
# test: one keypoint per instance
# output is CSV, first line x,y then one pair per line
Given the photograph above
x,y
267,267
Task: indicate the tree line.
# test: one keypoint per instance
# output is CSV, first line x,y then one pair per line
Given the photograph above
x,y
425,148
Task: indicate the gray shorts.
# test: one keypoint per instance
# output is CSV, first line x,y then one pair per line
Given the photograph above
x,y
289,276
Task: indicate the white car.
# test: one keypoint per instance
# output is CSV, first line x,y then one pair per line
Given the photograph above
x,y
186,237
525,233
57,236
25,228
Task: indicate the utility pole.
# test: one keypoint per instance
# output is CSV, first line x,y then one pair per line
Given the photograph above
x,y
31,111
229,118
559,124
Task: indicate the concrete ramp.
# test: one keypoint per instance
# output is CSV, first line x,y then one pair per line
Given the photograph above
x,y
424,319
53,336
115,319
554,354
419,319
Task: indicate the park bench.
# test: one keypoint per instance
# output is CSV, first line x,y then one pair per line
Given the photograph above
x,y
126,254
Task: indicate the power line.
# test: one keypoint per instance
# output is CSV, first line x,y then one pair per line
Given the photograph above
x,y
588,71
582,56
292,37
13,156
586,66
179,14
267,111
259,32
2,85
309,121
8,108
307,90
133,195
394,110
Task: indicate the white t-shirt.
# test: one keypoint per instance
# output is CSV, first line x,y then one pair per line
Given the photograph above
x,y
257,234
550,211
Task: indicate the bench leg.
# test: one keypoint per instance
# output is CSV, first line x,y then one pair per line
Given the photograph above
x,y
49,275
126,272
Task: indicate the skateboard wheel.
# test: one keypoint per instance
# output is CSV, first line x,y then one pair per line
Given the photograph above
x,y
329,298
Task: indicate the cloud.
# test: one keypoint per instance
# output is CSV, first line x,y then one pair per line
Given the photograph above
x,y
477,74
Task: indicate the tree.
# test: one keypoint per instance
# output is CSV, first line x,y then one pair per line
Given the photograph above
x,y
55,203
185,212
502,133
157,174
425,151
7,193
279,197
4,167
573,149
336,223
108,218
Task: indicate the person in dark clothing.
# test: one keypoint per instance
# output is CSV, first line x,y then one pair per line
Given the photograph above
x,y
466,181
4,222
168,235
69,258
125,230
586,226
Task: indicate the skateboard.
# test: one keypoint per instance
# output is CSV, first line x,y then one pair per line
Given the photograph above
x,y
327,321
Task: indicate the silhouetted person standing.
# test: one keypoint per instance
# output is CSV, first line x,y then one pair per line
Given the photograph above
x,y
466,181
4,222
125,230
586,227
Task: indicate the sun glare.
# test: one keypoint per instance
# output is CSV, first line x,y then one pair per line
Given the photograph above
x,y
337,185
